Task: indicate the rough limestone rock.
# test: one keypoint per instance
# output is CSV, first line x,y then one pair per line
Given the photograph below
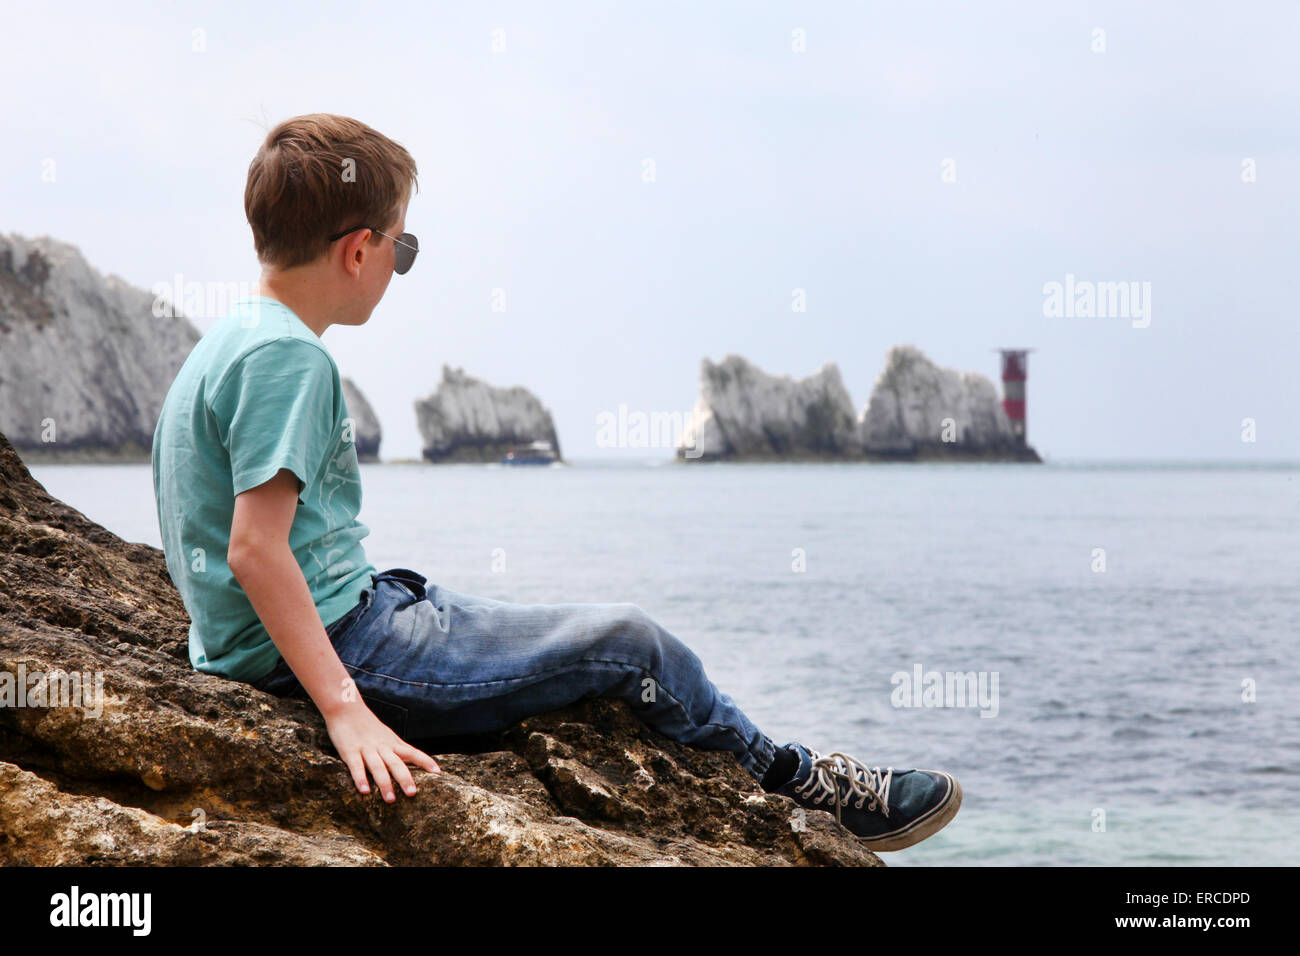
x,y
368,433
743,413
83,352
171,766
919,410
469,420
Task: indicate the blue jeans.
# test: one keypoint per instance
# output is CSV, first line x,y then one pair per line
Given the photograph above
x,y
435,662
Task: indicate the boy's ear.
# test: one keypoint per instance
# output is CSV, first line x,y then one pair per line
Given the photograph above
x,y
354,251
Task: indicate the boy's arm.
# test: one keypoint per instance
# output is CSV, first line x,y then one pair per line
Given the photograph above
x,y
264,565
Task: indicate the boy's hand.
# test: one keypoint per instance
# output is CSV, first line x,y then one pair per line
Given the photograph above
x,y
364,742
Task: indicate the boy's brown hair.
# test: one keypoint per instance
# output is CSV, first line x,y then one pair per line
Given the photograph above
x,y
317,175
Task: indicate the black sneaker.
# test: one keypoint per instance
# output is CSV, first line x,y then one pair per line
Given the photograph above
x,y
889,809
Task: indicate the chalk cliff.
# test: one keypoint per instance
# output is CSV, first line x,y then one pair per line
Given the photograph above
x,y
919,410
174,767
85,364
468,420
745,413
83,359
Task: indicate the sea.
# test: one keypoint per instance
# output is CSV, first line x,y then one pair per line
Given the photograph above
x,y
1104,654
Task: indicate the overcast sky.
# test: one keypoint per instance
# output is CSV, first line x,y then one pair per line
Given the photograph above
x,y
921,170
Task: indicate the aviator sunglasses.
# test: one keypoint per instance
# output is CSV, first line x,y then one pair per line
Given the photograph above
x,y
405,247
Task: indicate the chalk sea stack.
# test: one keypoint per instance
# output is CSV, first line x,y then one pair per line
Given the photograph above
x,y
118,781
368,433
743,413
919,411
466,419
85,363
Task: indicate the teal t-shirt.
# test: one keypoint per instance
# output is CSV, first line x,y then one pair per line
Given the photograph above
x,y
258,393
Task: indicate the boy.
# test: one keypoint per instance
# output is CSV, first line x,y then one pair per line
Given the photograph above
x,y
258,490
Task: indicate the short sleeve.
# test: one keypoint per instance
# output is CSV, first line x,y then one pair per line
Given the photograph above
x,y
275,409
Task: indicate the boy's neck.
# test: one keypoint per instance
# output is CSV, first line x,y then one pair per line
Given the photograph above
x,y
300,293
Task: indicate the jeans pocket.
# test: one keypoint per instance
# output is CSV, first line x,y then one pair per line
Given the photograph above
x,y
393,715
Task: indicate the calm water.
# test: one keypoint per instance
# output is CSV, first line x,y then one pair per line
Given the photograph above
x,y
1118,690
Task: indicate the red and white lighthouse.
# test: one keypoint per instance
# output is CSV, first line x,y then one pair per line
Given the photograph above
x,y
1015,371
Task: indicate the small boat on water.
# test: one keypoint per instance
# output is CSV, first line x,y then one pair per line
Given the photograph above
x,y
540,452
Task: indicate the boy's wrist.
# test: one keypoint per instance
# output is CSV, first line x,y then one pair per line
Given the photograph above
x,y
339,701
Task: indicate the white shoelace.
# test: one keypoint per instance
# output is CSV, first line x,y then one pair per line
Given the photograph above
x,y
863,782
